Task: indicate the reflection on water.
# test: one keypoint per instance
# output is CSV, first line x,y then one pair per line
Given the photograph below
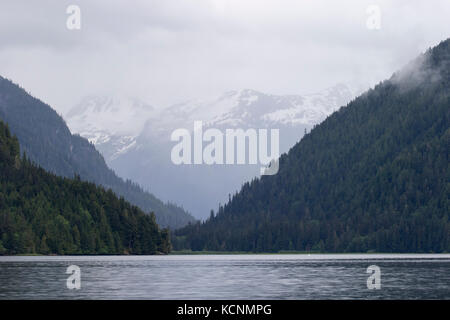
x,y
227,277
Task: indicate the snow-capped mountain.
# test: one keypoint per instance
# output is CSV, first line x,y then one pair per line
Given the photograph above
x,y
249,107
135,139
110,123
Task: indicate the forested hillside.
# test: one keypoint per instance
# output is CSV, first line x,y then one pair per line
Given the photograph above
x,y
47,141
374,176
43,213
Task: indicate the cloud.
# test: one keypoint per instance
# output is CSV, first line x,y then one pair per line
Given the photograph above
x,y
164,51
419,72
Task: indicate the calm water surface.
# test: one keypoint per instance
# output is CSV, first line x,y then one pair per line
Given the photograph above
x,y
227,277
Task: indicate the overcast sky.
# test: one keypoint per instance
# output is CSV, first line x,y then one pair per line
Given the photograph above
x,y
167,51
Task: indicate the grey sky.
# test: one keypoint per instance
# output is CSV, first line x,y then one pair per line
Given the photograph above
x,y
170,50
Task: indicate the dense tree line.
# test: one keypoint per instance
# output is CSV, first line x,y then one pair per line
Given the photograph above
x,y
43,213
374,176
47,141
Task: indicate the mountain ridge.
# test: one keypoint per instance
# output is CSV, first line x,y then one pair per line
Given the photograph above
x,y
46,214
47,141
372,177
199,189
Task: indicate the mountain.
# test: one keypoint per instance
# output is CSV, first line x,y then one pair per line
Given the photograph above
x,y
146,157
47,141
43,213
111,123
250,108
374,176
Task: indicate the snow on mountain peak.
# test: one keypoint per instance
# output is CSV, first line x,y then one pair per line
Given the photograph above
x,y
112,115
115,124
112,123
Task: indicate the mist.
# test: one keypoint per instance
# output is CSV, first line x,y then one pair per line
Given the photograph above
x,y
164,52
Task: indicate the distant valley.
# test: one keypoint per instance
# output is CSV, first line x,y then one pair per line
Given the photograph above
x,y
134,137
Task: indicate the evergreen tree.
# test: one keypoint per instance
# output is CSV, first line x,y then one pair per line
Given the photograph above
x,y
374,176
43,213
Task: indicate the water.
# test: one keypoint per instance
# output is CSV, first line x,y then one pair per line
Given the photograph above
x,y
227,277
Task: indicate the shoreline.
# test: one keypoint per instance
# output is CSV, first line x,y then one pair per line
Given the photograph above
x,y
235,253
